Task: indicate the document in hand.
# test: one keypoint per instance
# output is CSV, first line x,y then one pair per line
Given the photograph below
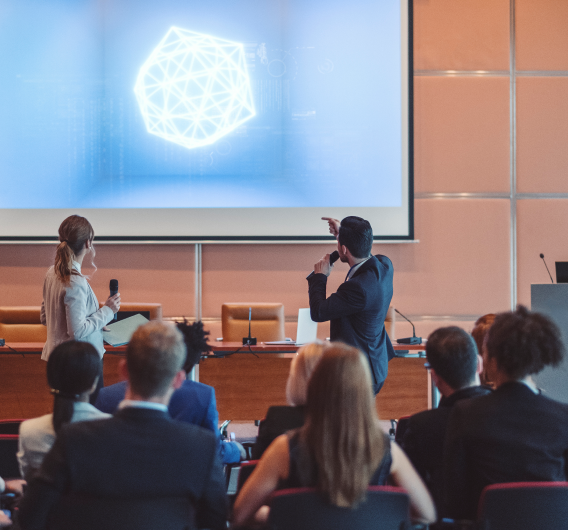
x,y
121,331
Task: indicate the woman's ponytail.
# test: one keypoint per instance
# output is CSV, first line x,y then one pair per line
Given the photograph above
x,y
74,233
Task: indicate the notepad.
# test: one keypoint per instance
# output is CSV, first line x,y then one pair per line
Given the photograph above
x,y
121,331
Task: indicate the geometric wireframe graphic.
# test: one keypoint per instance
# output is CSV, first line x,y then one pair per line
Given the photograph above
x,y
194,88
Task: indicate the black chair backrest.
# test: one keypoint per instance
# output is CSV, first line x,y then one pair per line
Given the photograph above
x,y
76,511
385,508
10,426
401,428
8,461
526,505
245,472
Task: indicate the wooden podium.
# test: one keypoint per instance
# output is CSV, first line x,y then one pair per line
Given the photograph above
x,y
551,299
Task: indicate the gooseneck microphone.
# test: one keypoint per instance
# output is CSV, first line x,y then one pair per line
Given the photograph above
x,y
113,290
542,257
249,341
409,340
333,257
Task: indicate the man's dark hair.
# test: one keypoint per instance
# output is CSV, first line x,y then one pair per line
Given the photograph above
x,y
195,341
452,353
523,343
357,235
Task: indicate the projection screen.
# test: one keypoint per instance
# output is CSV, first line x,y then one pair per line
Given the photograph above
x,y
223,120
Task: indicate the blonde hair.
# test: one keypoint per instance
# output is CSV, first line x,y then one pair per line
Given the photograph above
x,y
342,431
74,233
301,370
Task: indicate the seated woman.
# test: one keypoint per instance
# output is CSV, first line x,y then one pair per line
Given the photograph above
x,y
280,419
72,374
340,450
516,433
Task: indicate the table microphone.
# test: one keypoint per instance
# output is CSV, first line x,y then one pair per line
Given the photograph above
x,y
333,257
409,340
113,290
542,257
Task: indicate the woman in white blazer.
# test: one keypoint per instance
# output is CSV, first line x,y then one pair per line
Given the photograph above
x,y
72,373
70,309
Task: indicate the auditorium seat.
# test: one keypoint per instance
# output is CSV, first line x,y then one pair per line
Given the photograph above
x,y
526,505
386,508
155,310
9,467
22,324
267,321
10,426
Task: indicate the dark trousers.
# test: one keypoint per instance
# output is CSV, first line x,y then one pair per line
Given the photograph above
x,y
100,384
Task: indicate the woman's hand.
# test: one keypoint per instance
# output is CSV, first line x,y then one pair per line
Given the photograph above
x,y
114,302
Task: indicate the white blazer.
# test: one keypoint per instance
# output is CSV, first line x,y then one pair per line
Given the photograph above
x,y
71,312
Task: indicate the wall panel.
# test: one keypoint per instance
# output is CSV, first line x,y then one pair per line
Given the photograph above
x,y
461,134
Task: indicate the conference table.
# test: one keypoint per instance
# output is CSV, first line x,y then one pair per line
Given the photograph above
x,y
247,379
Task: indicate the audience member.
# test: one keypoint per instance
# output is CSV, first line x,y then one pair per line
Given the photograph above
x,y
72,374
341,448
479,332
193,402
16,487
138,462
280,419
455,366
515,433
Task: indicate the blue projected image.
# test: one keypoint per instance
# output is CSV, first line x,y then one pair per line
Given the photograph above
x,y
224,103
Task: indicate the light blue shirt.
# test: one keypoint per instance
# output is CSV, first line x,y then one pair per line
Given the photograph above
x,y
125,403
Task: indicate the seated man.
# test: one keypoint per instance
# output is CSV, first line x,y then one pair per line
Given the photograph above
x,y
193,402
455,366
138,469
514,434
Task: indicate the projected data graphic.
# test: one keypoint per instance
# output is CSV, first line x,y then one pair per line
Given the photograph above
x,y
194,88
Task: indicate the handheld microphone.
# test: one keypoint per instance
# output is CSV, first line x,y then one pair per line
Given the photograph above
x,y
333,257
409,340
249,341
113,290
542,257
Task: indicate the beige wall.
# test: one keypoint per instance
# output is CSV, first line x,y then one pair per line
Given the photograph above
x,y
491,123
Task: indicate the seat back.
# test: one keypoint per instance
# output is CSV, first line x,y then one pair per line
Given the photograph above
x,y
401,427
74,511
526,505
267,322
22,324
155,310
9,467
10,426
385,508
245,472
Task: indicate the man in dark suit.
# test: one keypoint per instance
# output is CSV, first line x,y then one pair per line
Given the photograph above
x,y
455,367
193,402
514,434
358,309
139,468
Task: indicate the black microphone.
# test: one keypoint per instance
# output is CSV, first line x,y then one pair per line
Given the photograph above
x,y
113,290
249,341
409,340
542,257
333,257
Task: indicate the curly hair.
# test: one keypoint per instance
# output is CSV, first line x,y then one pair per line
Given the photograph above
x,y
523,343
195,338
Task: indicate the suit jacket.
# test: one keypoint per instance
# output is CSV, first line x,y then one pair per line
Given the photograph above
x,y
510,435
423,440
37,436
71,312
192,403
137,454
357,312
279,419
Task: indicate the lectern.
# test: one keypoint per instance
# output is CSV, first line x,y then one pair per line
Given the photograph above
x,y
552,300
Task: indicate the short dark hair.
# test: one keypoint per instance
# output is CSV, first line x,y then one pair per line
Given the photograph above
x,y
523,342
155,353
195,341
452,353
357,235
72,368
